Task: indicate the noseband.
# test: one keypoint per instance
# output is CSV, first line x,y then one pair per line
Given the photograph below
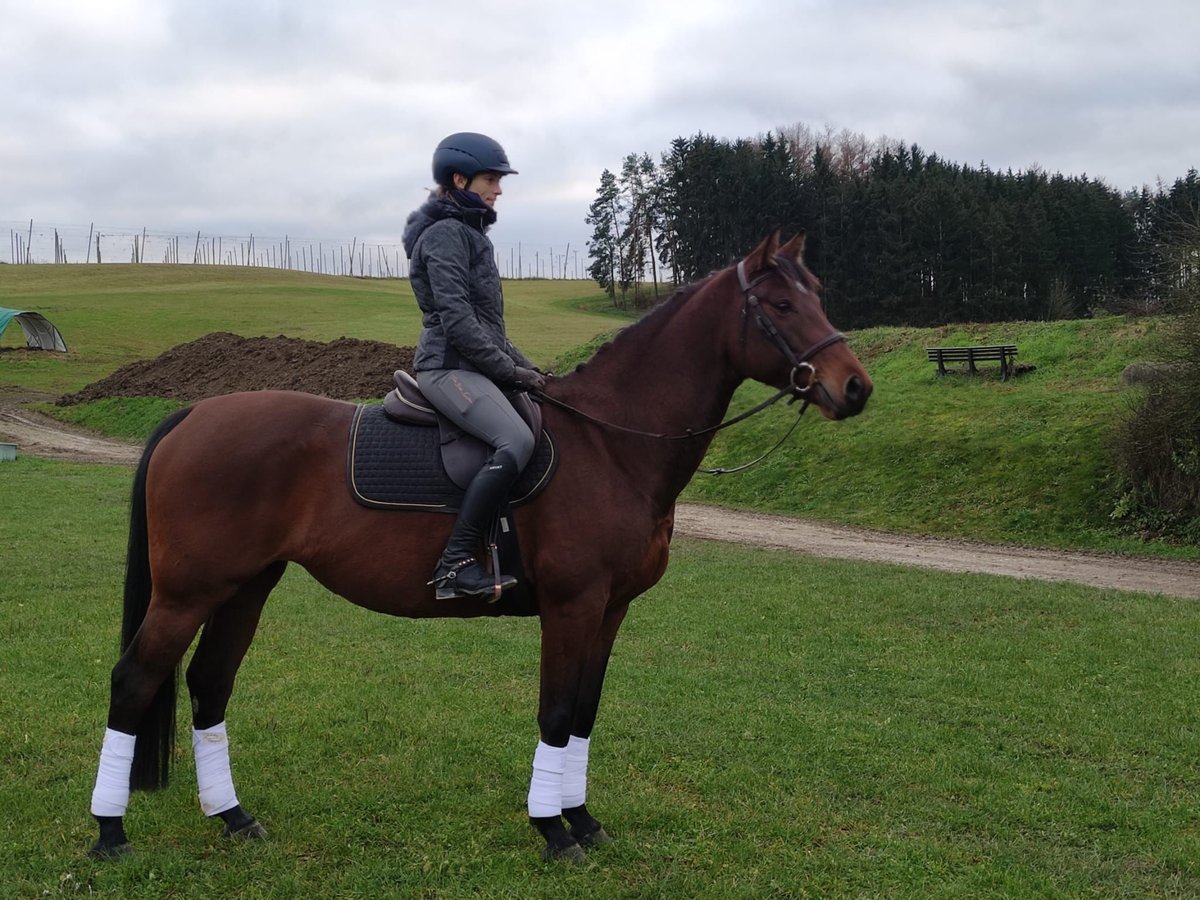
x,y
799,361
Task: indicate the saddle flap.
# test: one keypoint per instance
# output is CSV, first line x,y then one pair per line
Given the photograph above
x,y
396,466
407,404
462,454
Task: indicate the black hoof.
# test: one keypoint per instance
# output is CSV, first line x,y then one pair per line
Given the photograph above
x,y
590,839
572,854
112,843
240,825
101,850
584,827
560,845
252,832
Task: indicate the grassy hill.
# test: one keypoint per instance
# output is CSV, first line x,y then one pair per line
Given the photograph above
x,y
1023,461
112,315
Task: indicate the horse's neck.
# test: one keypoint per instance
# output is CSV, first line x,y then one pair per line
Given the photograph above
x,y
664,375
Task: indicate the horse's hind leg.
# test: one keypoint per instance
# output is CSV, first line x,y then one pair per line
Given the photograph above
x,y
142,704
210,677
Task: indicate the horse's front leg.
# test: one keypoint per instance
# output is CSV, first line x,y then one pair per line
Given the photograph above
x,y
583,825
569,631
576,645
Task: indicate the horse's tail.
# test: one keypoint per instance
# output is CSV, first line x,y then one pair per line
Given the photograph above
x,y
156,733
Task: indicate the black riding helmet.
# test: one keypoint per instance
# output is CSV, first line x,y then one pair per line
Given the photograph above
x,y
469,154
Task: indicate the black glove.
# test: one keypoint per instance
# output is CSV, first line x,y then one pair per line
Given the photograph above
x,y
528,379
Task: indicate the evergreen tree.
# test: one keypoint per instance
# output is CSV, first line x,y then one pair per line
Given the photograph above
x,y
603,216
897,234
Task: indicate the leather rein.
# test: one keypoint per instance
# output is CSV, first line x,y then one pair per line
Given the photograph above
x,y
801,367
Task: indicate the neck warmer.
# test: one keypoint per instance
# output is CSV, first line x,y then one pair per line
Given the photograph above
x,y
475,212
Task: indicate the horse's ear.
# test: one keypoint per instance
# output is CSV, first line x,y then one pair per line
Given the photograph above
x,y
794,249
763,255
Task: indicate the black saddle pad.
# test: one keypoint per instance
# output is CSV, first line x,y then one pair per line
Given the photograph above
x,y
396,466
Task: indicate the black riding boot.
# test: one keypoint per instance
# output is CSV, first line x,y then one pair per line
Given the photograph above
x,y
459,573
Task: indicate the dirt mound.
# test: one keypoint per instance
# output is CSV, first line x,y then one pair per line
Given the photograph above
x,y
223,363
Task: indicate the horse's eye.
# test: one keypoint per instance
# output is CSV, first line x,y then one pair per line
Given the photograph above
x,y
782,305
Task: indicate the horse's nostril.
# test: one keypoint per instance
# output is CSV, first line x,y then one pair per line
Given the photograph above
x,y
856,391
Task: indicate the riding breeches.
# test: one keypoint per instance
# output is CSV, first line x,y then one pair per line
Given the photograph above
x,y
474,403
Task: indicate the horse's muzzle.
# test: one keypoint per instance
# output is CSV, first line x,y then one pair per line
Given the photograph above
x,y
852,401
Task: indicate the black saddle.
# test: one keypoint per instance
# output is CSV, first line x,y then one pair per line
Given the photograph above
x,y
406,455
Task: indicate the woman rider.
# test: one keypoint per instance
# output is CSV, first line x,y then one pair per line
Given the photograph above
x,y
464,360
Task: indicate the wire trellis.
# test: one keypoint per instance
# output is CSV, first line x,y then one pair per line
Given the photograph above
x,y
32,243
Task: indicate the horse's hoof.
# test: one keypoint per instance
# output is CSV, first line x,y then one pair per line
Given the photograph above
x,y
584,827
595,838
571,853
251,831
101,850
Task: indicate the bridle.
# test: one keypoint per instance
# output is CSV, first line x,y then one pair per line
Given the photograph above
x,y
799,363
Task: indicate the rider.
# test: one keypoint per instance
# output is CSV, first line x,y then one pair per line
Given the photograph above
x,y
464,360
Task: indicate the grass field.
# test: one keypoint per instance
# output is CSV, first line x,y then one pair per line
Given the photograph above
x,y
1024,461
773,726
116,314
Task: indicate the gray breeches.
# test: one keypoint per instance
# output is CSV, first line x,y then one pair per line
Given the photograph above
x,y
473,403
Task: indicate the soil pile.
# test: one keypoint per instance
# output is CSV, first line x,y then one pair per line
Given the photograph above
x,y
223,363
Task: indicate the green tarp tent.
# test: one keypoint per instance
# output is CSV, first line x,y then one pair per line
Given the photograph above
x,y
39,333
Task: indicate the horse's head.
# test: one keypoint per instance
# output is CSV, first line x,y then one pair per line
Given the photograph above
x,y
784,335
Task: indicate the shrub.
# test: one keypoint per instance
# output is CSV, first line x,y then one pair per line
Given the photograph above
x,y
1158,446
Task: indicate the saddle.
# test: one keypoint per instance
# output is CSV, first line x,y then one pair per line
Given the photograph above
x,y
406,455
463,454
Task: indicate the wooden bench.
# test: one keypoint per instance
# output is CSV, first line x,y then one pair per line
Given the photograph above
x,y
1005,354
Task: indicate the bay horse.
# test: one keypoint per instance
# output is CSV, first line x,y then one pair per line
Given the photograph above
x,y
232,489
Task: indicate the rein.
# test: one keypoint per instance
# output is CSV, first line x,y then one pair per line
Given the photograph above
x,y
794,389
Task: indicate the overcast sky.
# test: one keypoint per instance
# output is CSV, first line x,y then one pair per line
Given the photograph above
x,y
318,119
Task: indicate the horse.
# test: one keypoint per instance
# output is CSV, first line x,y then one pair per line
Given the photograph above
x,y
219,509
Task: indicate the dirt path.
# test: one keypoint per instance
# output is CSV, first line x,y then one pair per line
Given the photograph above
x,y
39,435
1176,578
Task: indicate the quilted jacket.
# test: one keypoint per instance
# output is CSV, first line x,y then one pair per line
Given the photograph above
x,y
457,284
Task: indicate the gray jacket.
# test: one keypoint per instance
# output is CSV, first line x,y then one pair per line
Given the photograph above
x,y
457,284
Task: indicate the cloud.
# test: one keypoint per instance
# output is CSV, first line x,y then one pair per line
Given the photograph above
x,y
305,117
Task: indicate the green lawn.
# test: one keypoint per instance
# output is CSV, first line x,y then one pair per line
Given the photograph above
x,y
774,725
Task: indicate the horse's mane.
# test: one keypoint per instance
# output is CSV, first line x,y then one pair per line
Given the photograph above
x,y
662,312
794,269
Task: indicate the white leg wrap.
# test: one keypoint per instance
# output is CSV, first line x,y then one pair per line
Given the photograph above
x,y
575,775
213,775
111,794
546,785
